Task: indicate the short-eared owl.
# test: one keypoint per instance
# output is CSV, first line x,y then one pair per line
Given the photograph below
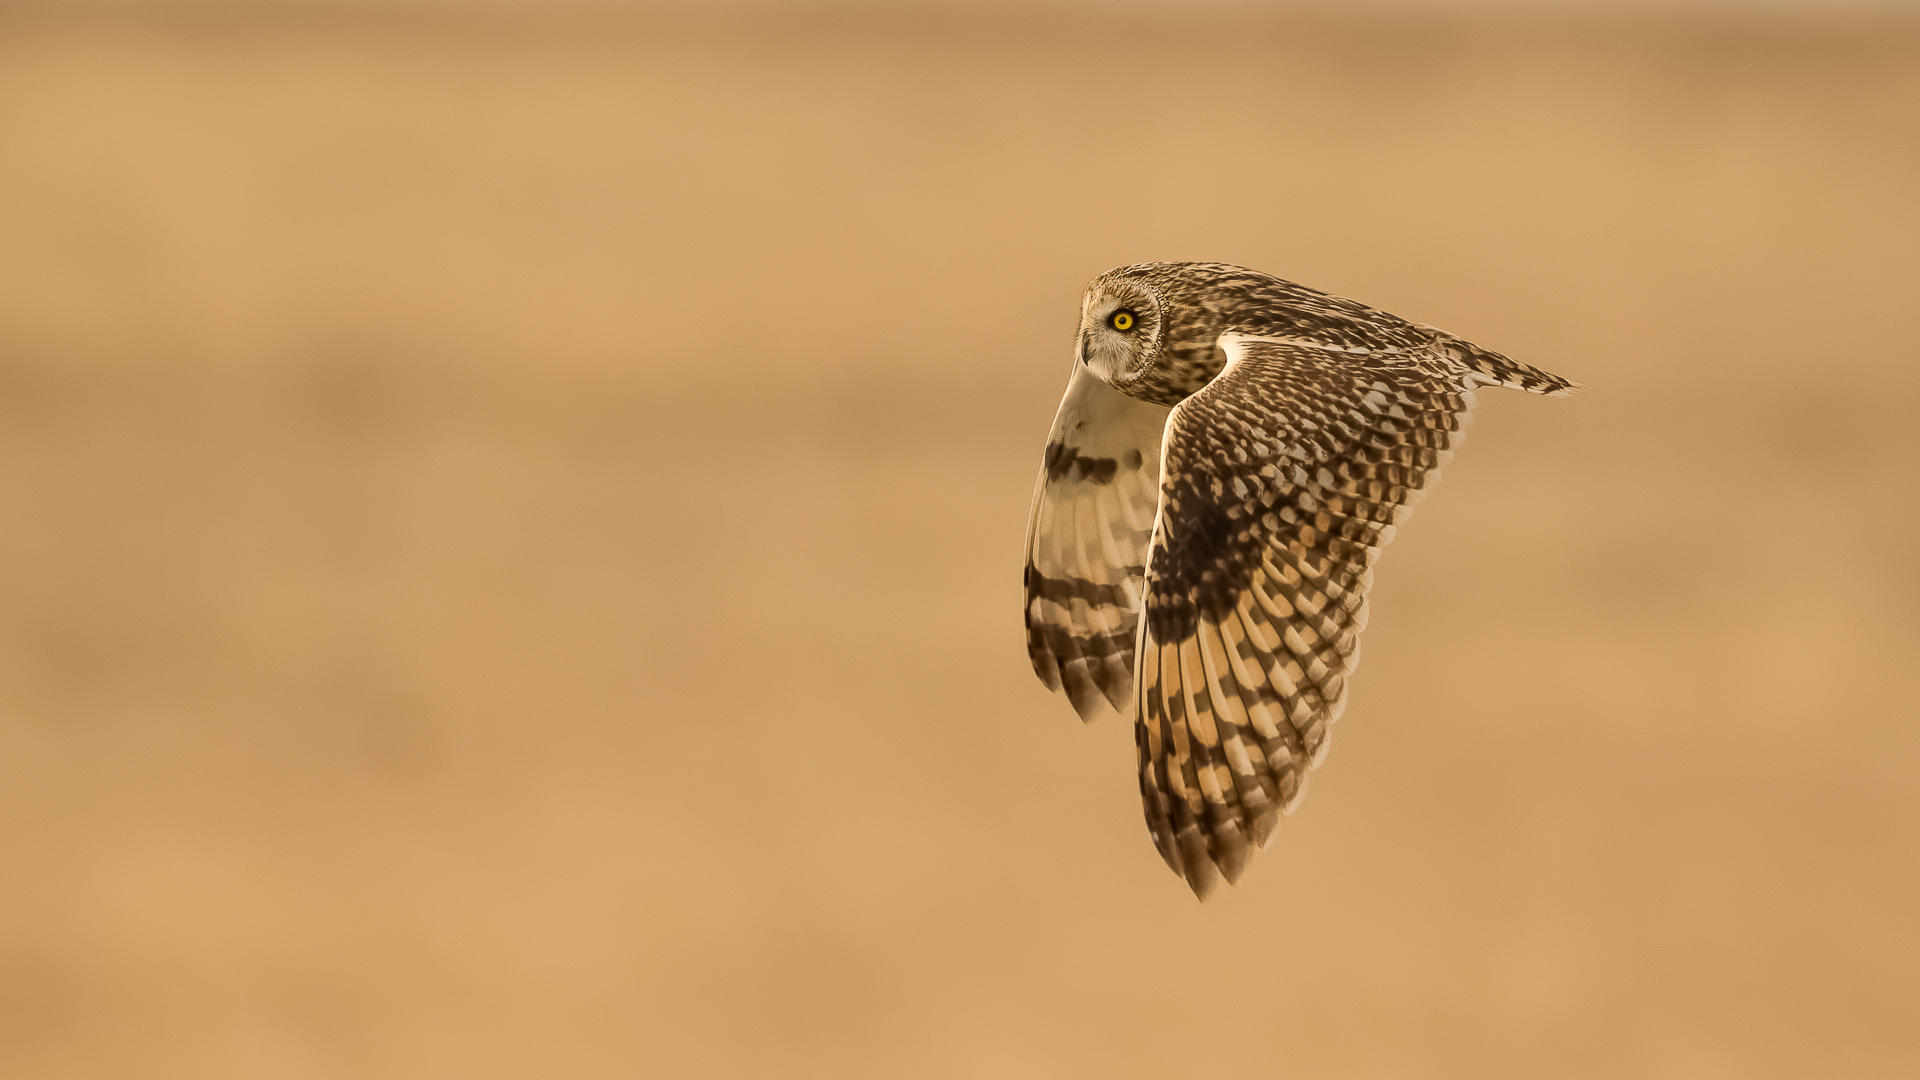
x,y
1232,454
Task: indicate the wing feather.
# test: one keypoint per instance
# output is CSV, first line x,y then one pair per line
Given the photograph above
x,y
1282,480
1087,535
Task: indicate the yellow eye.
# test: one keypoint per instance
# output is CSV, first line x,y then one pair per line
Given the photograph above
x,y
1121,321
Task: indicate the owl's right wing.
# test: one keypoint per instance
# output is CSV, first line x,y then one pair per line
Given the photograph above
x,y
1087,536
1285,476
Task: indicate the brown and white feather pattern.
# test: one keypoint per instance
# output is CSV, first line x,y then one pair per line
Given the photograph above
x,y
1303,427
1087,536
1284,478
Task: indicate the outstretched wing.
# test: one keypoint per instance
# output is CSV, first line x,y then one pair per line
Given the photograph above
x,y
1087,542
1284,477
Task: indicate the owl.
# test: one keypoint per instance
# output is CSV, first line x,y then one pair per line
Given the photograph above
x,y
1232,453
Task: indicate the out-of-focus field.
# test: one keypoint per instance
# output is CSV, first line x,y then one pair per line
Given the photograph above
x,y
510,536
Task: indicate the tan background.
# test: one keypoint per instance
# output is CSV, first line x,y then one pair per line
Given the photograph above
x,y
509,543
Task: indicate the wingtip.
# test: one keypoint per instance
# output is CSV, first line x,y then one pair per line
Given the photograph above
x,y
1204,880
1082,690
1203,877
1045,666
1169,850
1231,853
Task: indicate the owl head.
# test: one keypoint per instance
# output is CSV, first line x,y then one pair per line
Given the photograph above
x,y
1150,330
1122,324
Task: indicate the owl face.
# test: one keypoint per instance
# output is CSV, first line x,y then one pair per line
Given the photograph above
x,y
1121,329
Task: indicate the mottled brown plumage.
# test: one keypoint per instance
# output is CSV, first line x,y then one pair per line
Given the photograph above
x,y
1298,429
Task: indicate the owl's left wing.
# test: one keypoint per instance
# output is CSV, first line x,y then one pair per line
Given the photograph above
x,y
1284,477
1087,539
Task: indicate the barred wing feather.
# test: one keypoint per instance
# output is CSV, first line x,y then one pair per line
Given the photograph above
x,y
1284,477
1087,535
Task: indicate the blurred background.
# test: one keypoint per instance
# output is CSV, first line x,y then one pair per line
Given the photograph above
x,y
512,520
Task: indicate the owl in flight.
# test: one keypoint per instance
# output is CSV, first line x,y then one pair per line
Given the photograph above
x,y
1233,452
